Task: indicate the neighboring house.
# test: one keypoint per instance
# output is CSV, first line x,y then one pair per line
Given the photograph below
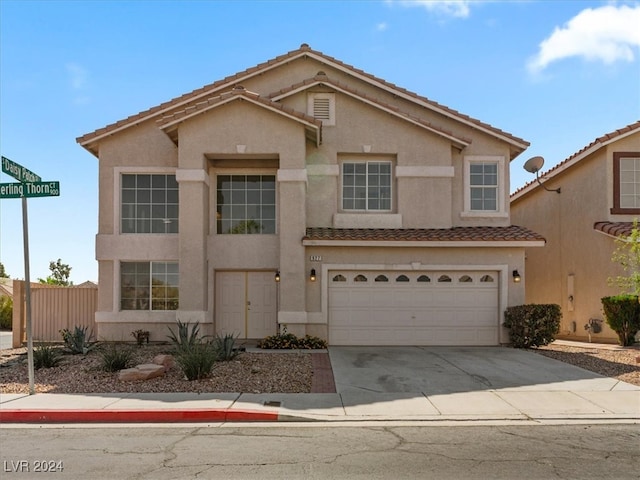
x,y
599,199
307,193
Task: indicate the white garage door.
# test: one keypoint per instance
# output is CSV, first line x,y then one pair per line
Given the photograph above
x,y
413,308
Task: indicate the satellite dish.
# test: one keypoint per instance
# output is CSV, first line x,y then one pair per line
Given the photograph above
x,y
534,164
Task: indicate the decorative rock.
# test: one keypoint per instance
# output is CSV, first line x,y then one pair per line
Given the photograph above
x,y
167,361
145,371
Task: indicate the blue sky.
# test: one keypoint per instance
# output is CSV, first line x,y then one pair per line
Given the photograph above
x,y
556,73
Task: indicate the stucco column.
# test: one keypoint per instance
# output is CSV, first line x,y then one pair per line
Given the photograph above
x,y
194,227
292,185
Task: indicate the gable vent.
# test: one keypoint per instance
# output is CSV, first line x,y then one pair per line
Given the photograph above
x,y
322,108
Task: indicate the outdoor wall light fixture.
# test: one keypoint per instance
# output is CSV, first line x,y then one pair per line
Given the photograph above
x,y
312,276
516,276
533,165
277,277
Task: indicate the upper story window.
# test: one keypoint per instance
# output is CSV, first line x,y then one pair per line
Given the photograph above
x,y
246,204
149,203
366,186
626,183
483,177
323,107
149,286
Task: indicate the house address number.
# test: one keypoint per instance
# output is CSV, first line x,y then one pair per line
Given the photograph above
x,y
315,258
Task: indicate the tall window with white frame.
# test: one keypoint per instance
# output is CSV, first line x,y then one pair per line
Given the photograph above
x,y
149,286
630,182
246,204
366,186
483,184
149,203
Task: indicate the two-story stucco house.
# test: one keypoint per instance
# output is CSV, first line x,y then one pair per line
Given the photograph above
x,y
599,199
305,192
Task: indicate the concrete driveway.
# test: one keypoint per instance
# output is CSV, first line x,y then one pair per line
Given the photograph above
x,y
446,370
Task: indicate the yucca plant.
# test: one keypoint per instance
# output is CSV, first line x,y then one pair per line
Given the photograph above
x,y
197,360
78,341
46,356
226,347
115,358
186,336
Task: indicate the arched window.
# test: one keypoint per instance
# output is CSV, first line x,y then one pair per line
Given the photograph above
x,y
402,278
444,279
486,279
360,278
381,278
465,279
424,278
339,278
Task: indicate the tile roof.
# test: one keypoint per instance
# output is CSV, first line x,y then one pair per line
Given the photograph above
x,y
456,234
596,144
615,229
238,93
321,78
229,81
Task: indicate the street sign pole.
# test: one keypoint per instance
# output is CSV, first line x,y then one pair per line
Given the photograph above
x,y
27,280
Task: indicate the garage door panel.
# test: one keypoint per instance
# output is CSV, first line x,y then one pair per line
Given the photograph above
x,y
452,308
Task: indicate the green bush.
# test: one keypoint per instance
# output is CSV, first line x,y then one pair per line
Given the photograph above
x,y
78,341
197,360
6,312
532,325
226,347
46,356
286,340
115,358
622,313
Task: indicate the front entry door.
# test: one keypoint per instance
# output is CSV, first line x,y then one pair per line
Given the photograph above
x,y
245,304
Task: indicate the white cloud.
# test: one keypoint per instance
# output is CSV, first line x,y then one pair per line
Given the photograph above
x,y
382,26
453,8
608,34
77,75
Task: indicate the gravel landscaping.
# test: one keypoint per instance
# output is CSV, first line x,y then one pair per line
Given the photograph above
x,y
261,372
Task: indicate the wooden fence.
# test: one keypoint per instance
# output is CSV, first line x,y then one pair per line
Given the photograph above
x,y
52,309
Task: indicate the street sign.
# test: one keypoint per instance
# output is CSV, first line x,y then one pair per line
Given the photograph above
x,y
18,172
29,189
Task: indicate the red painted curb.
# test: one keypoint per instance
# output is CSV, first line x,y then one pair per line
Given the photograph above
x,y
135,416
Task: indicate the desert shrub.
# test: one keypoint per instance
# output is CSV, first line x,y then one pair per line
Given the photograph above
x,y
115,358
78,341
197,360
226,347
6,312
141,336
622,313
186,337
532,325
285,340
46,356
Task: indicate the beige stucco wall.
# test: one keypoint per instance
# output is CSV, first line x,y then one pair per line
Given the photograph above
x,y
575,252
241,137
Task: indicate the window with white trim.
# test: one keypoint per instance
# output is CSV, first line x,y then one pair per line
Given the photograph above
x,y
366,186
149,286
484,178
148,203
246,204
322,106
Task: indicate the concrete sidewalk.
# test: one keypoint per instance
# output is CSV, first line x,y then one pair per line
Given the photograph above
x,y
606,400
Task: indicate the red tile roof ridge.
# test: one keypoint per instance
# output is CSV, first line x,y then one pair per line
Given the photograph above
x,y
476,233
615,229
304,48
325,80
599,140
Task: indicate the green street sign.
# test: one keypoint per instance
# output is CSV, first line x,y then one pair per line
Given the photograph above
x,y
29,189
18,172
